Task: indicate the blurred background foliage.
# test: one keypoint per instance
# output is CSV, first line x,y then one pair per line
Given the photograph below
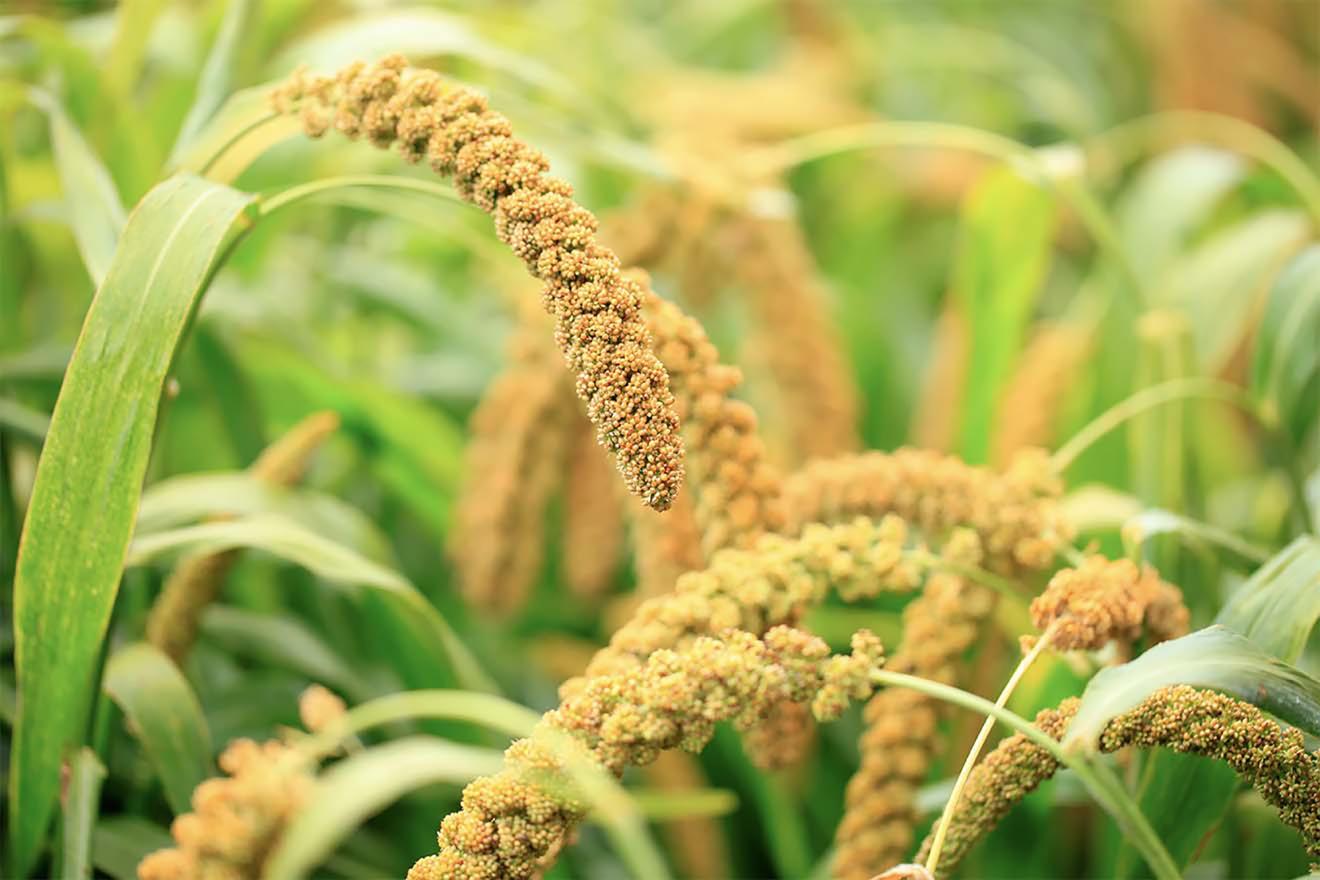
x,y
1159,188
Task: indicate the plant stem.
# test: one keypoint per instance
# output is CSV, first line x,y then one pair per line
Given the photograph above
x,y
1181,389
1126,142
294,194
1105,790
1140,402
942,829
907,133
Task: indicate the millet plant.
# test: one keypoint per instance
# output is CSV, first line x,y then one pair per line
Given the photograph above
x,y
724,440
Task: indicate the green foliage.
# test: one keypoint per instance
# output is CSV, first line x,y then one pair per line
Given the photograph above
x,y
1035,165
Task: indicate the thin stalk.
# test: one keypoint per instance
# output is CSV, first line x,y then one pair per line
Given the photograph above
x,y
1001,585
273,202
1103,788
1182,389
243,132
1128,141
942,830
1142,401
903,133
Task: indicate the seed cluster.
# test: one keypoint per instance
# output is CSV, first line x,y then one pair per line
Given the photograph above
x,y
1198,722
236,819
794,336
737,492
900,737
1108,600
1014,512
665,545
318,708
755,590
513,824
593,516
597,311
196,582
519,436
1030,403
939,408
1270,757
1010,772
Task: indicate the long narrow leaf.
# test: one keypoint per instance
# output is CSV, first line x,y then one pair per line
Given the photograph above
x,y
84,499
1214,658
1279,606
95,210
213,84
1285,375
163,713
334,562
365,783
1003,255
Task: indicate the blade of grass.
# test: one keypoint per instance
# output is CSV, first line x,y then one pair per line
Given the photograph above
x,y
282,642
164,715
120,842
365,783
96,212
23,421
213,83
334,562
85,495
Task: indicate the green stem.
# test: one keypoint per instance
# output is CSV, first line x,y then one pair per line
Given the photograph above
x,y
946,818
903,133
1199,387
273,202
1130,140
1101,785
1142,401
243,132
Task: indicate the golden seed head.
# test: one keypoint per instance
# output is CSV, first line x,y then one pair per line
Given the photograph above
x,y
1104,601
318,708
236,819
596,310
511,825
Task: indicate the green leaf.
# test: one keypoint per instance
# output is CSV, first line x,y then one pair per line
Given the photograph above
x,y
1214,658
244,128
41,362
85,495
1185,796
487,710
192,498
365,783
134,22
1285,374
234,396
95,211
281,642
1003,254
337,564
417,33
81,806
120,842
214,82
1279,606
163,713
415,450
23,420
1217,285
1171,197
